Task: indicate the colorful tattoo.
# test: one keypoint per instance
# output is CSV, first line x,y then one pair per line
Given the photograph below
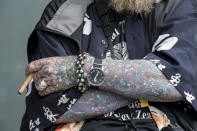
x,y
124,82
57,72
138,79
93,103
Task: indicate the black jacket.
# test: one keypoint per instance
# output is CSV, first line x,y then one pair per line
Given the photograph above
x,y
64,20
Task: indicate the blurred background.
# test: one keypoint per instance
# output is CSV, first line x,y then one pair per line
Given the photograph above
x,y
17,20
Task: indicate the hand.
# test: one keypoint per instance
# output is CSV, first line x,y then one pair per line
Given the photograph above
x,y
57,73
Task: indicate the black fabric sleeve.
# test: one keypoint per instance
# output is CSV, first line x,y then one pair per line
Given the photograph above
x,y
175,51
41,112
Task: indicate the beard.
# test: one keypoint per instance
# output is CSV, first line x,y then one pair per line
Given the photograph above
x,y
134,6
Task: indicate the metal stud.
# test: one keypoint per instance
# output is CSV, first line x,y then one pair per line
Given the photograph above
x,y
80,58
81,71
82,62
82,80
79,75
79,66
83,89
77,72
78,62
79,88
85,74
80,84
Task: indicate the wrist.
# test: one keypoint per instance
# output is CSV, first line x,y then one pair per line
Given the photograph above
x,y
89,61
94,69
84,63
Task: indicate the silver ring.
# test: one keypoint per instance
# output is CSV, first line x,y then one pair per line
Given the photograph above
x,y
41,86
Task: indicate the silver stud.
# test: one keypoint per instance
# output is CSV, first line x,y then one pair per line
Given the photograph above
x,y
83,89
82,80
82,62
78,62
80,66
85,75
80,84
81,71
80,58
79,88
84,54
79,75
77,71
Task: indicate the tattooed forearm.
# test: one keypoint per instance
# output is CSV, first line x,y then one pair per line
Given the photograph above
x,y
138,79
93,103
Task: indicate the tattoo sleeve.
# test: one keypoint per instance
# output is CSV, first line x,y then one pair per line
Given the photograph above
x,y
125,81
93,103
138,79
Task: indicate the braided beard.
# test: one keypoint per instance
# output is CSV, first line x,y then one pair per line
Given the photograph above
x,y
134,6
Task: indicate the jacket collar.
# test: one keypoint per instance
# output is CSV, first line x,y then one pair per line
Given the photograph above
x,y
102,7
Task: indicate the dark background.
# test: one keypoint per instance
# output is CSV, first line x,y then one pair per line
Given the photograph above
x,y
17,20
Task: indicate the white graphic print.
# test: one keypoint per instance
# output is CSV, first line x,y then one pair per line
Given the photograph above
x,y
63,100
72,103
120,50
134,105
155,61
29,89
175,80
33,124
161,37
138,114
142,115
189,97
115,34
159,65
120,116
166,44
49,115
87,29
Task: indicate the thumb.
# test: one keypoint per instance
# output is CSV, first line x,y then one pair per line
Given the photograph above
x,y
36,66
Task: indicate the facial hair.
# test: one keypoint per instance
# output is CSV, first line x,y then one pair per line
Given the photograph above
x,y
134,6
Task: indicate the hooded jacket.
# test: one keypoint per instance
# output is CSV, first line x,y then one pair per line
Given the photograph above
x,y
64,20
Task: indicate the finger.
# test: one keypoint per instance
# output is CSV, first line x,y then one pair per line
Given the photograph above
x,y
41,75
47,91
41,85
50,90
43,82
36,65
38,76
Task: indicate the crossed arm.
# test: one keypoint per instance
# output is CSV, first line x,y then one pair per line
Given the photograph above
x,y
124,81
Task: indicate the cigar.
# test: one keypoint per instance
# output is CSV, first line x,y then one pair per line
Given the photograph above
x,y
25,83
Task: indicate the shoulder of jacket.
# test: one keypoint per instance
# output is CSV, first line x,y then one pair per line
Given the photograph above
x,y
63,16
166,7
49,12
161,10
